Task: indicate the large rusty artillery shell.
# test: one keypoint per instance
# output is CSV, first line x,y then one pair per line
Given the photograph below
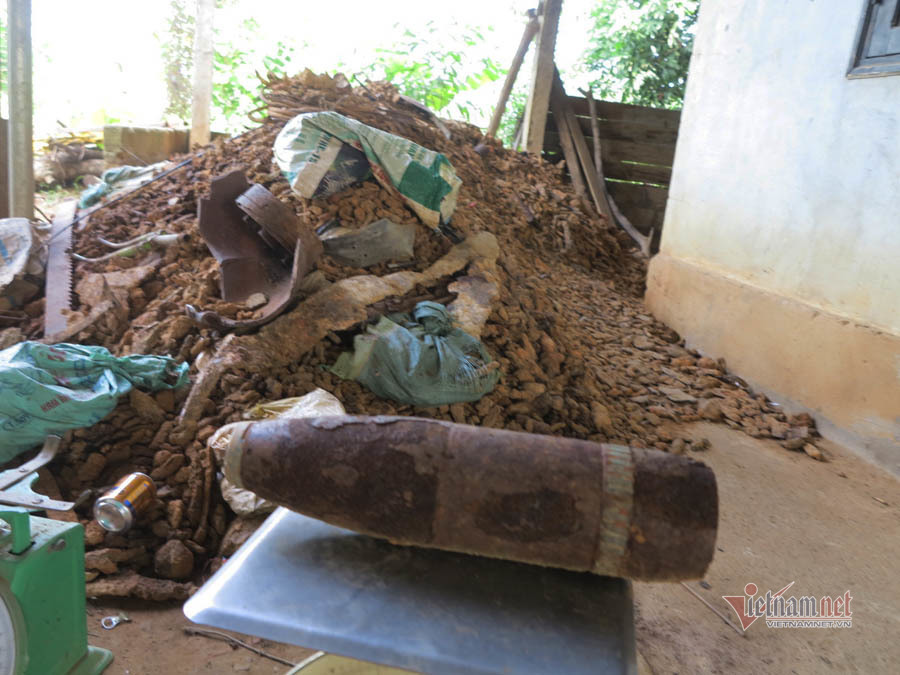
x,y
559,502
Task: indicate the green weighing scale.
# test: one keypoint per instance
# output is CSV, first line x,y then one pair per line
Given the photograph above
x,y
43,626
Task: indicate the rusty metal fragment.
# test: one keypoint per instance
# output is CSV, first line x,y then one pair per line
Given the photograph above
x,y
247,264
544,500
280,225
251,250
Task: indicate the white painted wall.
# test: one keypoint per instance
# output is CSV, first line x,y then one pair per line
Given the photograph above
x,y
787,174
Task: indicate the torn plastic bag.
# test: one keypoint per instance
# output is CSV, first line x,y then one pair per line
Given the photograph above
x,y
317,403
49,389
322,153
375,243
421,360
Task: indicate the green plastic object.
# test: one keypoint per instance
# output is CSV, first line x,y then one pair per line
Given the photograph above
x,y
20,537
112,179
322,153
42,604
49,389
422,360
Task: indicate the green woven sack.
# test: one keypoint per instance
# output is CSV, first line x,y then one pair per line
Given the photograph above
x,y
422,360
321,153
49,389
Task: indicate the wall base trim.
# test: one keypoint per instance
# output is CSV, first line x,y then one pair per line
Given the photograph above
x,y
847,375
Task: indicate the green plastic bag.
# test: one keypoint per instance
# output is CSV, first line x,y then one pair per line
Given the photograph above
x,y
322,153
421,360
49,389
113,179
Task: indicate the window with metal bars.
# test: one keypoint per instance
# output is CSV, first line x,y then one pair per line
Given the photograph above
x,y
876,51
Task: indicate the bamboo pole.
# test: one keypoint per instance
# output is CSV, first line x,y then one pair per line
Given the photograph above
x,y
530,29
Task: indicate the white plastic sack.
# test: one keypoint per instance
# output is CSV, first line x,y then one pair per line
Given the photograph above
x,y
317,403
22,261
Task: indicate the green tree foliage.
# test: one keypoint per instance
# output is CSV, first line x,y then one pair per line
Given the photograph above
x,y
641,49
236,87
432,66
178,58
512,116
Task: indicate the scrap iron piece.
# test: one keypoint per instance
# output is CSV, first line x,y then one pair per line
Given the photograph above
x,y
279,223
279,297
246,263
16,485
250,261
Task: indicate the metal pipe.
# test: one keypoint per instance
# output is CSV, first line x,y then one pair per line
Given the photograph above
x,y
560,502
21,161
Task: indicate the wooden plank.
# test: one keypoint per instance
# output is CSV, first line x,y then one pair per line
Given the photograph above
x,y
541,77
594,178
4,168
618,170
624,130
21,110
643,173
645,153
645,206
640,195
643,220
568,151
560,105
609,110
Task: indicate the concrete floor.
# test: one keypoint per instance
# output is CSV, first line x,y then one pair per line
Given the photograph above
x,y
829,527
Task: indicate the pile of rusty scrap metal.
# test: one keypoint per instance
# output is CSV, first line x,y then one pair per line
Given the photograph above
x,y
260,312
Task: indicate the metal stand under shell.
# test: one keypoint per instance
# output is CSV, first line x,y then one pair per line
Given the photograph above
x,y
301,581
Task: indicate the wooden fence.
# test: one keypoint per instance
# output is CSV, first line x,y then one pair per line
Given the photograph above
x,y
638,147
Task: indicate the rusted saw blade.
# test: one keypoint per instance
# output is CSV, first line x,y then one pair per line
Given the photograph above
x,y
58,283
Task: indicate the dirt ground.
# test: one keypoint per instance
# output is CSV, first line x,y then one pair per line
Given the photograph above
x,y
154,642
829,527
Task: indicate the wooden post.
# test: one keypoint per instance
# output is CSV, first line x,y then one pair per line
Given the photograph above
x,y
530,29
541,77
203,70
4,168
20,159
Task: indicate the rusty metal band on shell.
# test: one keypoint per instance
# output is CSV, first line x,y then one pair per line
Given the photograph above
x,y
618,491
